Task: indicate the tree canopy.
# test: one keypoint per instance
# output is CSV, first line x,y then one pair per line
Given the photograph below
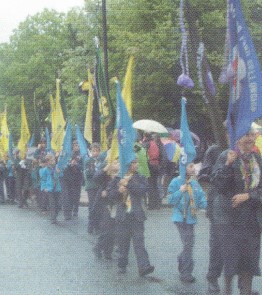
x,y
52,44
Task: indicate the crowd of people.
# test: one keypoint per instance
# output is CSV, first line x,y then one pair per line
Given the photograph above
x,y
116,211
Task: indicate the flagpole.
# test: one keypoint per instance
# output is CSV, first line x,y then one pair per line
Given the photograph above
x,y
104,26
212,105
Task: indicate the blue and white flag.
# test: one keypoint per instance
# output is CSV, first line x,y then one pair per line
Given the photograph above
x,y
126,134
188,151
244,75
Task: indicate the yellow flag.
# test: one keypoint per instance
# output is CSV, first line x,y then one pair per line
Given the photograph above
x,y
88,130
127,86
25,133
113,153
59,123
4,132
52,113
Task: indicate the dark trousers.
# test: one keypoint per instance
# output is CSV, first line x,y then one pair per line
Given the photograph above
x,y
93,222
2,194
43,201
131,229
106,238
154,200
215,258
71,191
185,258
54,203
10,187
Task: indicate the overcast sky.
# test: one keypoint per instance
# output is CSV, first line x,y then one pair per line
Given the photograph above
x,y
12,12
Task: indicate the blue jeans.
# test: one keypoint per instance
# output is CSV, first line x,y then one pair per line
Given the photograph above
x,y
185,258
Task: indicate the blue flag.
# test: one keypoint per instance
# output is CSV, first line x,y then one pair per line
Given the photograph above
x,y
10,147
81,142
48,141
31,141
244,75
188,151
126,134
66,152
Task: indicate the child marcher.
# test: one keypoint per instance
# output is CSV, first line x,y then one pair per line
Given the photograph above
x,y
105,241
51,186
3,173
186,197
130,218
91,166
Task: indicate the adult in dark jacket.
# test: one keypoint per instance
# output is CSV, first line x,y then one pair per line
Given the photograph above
x,y
239,180
130,218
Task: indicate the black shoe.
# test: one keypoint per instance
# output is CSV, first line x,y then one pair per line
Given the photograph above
x,y
108,256
187,279
146,271
54,221
213,286
68,218
121,270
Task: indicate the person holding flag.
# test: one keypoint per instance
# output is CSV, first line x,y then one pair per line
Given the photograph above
x,y
186,195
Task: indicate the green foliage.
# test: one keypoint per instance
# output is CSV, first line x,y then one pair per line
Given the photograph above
x,y
51,44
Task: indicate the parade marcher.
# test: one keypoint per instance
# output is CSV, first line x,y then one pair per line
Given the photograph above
x,y
106,239
41,150
51,186
71,183
238,177
157,160
186,198
91,166
23,180
215,217
10,181
130,218
3,173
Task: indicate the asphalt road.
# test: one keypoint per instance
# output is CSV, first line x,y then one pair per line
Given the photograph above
x,y
38,258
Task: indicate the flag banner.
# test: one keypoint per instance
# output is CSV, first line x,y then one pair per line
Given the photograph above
x,y
81,142
127,86
88,130
126,134
66,153
105,103
31,142
244,76
48,141
187,150
10,147
59,124
25,134
4,133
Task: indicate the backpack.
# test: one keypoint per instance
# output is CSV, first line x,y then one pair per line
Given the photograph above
x,y
153,153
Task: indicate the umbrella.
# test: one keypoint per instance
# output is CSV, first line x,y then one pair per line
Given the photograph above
x,y
172,149
150,126
175,134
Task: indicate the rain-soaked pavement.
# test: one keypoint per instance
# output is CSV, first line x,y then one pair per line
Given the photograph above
x,y
38,258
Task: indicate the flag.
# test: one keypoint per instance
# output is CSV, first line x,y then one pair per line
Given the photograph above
x,y
187,150
59,122
4,132
105,103
81,142
31,141
126,134
127,86
52,113
10,147
88,130
113,152
48,141
66,151
25,134
244,75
